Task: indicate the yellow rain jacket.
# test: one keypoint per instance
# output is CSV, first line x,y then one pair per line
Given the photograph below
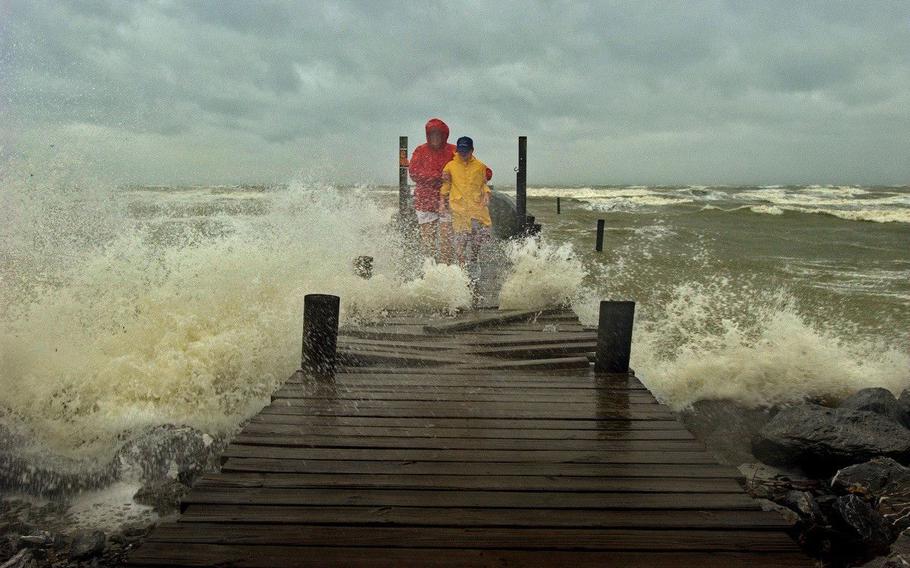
x,y
465,191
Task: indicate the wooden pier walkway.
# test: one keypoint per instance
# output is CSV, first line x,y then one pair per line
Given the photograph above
x,y
483,441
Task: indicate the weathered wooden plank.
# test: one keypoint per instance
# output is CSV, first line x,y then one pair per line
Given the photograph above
x,y
595,425
314,441
534,350
554,363
462,395
380,380
464,482
272,465
488,537
463,456
497,318
584,405
436,412
598,501
455,517
260,428
240,556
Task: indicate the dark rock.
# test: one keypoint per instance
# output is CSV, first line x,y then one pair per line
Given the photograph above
x,y
769,482
805,505
726,427
163,496
87,544
169,452
864,522
821,439
883,482
871,478
879,401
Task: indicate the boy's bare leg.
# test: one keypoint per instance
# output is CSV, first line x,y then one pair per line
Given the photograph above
x,y
445,242
428,239
461,243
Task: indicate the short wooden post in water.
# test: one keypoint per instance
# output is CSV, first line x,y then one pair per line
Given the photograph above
x,y
558,207
320,334
363,267
599,244
614,337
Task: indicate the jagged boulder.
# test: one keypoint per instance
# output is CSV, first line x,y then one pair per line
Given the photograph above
x,y
884,483
864,523
870,479
879,401
805,505
168,452
821,439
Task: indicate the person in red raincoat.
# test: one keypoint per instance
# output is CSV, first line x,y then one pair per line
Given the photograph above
x,y
425,168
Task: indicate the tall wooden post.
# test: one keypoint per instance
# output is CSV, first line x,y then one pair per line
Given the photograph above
x,y
320,334
614,337
558,207
599,243
403,192
521,184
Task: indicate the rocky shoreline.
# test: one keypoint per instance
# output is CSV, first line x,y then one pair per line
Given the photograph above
x,y
837,473
39,528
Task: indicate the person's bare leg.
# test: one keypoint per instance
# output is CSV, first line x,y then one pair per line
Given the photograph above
x,y
445,242
428,239
461,241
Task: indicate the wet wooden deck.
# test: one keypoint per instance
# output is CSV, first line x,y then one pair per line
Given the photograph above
x,y
483,441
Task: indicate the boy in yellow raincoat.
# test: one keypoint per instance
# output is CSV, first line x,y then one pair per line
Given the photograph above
x,y
465,193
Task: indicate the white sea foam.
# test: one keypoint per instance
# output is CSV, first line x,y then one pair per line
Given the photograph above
x,y
110,324
542,275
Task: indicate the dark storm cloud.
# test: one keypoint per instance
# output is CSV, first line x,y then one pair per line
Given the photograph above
x,y
706,91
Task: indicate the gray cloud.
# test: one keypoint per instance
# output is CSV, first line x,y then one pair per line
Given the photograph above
x,y
608,92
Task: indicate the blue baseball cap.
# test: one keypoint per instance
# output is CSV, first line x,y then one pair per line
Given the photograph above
x,y
464,145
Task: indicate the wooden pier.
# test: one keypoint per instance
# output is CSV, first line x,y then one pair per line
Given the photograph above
x,y
486,440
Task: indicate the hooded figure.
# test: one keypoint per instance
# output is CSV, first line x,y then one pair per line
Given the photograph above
x,y
426,165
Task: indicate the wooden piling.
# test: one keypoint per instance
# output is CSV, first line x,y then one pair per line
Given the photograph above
x,y
614,337
320,334
403,192
558,207
521,184
599,244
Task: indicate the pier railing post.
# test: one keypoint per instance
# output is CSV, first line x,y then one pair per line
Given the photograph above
x,y
558,206
403,177
320,334
521,184
614,337
599,244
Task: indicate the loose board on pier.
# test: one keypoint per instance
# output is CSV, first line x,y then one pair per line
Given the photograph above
x,y
486,441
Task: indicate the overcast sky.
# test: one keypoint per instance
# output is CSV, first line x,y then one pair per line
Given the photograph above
x,y
711,91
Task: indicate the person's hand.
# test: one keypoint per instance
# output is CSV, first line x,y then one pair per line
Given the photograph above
x,y
485,200
443,205
446,176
